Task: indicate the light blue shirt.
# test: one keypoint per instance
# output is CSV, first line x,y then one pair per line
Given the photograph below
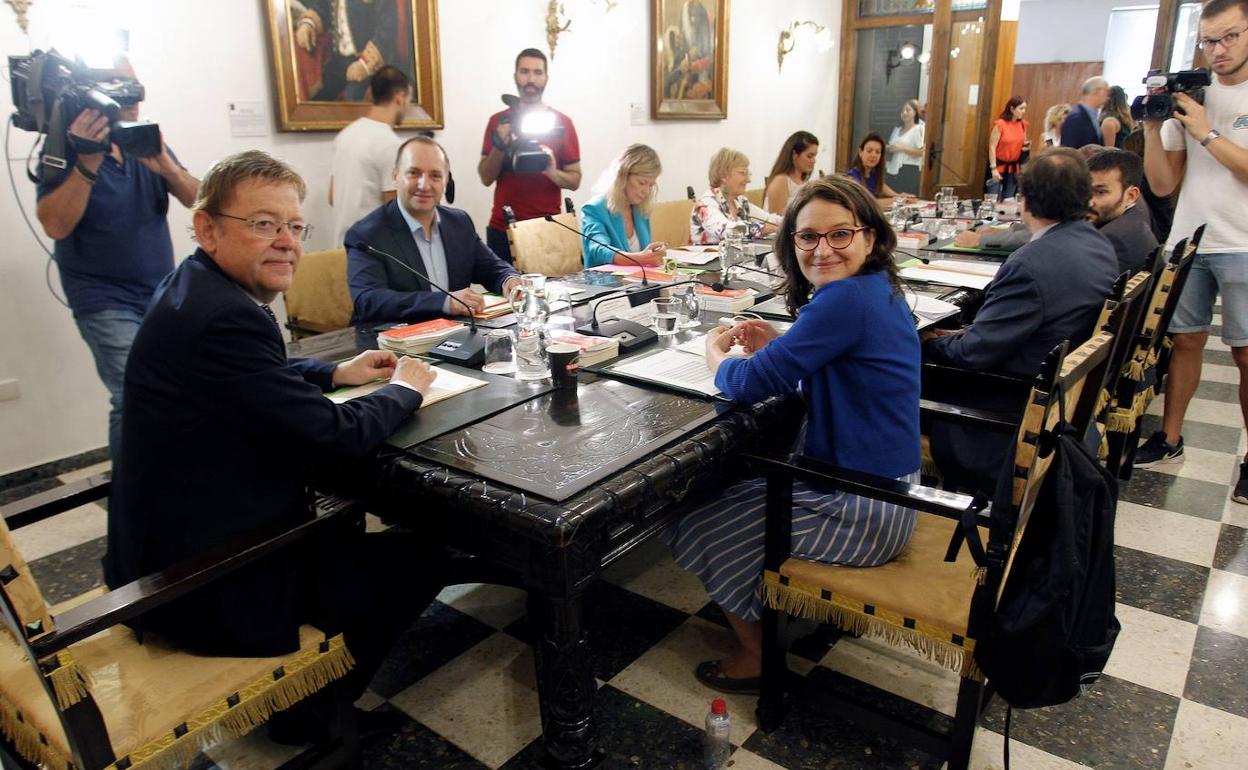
x,y
431,250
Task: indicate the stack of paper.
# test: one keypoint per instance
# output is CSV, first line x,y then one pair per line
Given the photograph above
x,y
495,306
418,338
672,368
694,255
933,274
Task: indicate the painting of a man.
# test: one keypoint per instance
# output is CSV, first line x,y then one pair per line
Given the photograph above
x,y
689,51
339,44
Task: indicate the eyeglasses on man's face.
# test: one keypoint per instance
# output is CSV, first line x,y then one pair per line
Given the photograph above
x,y
1208,44
271,228
808,240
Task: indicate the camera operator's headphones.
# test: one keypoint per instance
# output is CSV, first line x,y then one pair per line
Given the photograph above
x,y
449,193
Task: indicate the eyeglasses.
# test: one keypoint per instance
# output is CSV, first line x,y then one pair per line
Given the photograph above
x,y
269,228
1207,44
808,240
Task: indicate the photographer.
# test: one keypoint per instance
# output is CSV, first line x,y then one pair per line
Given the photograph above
x,y
107,214
533,194
1206,148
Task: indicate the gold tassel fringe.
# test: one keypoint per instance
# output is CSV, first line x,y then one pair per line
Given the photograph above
x,y
1120,421
799,603
1134,370
69,681
1102,401
27,740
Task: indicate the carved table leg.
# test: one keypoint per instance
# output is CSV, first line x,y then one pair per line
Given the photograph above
x,y
565,680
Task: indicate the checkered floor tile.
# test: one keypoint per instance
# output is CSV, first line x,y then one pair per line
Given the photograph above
x,y
1174,695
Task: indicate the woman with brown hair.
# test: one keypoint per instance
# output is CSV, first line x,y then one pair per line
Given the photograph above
x,y
1116,122
793,166
853,354
1007,146
867,169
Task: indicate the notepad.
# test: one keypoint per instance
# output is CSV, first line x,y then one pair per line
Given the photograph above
x,y
692,257
670,367
446,385
946,277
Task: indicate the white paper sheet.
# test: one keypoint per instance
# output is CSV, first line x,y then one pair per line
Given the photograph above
x,y
671,367
946,277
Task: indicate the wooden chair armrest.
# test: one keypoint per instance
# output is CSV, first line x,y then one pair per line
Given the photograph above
x,y
47,504
996,421
941,376
151,591
950,505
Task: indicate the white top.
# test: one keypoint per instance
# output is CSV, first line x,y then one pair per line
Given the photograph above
x,y
633,243
1211,195
912,138
1052,137
363,168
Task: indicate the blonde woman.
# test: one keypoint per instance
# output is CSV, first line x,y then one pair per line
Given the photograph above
x,y
1053,119
724,205
620,213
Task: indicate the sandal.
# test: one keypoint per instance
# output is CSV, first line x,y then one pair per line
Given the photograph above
x,y
709,674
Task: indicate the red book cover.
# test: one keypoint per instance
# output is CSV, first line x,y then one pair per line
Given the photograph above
x,y
420,329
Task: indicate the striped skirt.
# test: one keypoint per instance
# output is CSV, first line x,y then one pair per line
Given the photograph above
x,y
722,542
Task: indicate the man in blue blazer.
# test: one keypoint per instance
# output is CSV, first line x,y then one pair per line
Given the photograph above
x,y
1083,125
1050,290
434,243
221,432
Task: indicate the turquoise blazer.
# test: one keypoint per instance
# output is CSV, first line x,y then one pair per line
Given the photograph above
x,y
599,223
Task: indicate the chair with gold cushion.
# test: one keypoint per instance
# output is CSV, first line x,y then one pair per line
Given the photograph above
x,y
1144,368
77,689
318,299
669,222
937,598
756,196
544,247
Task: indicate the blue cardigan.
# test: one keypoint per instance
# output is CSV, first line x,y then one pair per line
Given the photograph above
x,y
855,353
599,223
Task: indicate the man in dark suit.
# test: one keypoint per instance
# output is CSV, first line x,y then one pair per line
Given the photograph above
x,y
1048,291
438,242
221,432
1117,210
1083,125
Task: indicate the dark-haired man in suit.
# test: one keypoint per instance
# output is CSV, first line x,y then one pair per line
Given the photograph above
x,y
1050,290
1116,208
436,241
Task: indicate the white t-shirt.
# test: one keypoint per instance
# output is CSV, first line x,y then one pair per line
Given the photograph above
x,y
363,168
1211,195
912,138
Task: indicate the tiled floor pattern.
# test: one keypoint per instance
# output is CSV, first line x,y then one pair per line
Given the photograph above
x,y
1174,696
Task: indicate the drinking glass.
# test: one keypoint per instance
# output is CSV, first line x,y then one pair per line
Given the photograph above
x,y
499,358
530,347
666,315
946,228
690,309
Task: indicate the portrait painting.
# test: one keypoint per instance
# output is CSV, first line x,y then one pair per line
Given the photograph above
x,y
689,59
325,52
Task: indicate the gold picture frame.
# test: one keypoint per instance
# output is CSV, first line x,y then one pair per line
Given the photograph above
x,y
320,89
688,81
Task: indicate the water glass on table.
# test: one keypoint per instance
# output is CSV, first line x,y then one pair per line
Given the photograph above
x,y
530,346
690,309
946,228
499,358
666,315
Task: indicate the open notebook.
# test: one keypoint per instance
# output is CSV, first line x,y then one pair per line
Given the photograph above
x,y
446,385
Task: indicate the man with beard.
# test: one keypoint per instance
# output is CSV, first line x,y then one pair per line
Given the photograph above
x,y
536,194
1116,179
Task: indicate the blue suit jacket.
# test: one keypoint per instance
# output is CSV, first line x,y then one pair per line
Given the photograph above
x,y
1050,290
599,223
383,291
1078,129
219,435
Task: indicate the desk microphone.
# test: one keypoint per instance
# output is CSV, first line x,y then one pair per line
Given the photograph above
x,y
466,351
644,280
629,334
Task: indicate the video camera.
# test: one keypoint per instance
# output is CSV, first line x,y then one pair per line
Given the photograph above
x,y
50,90
1158,103
525,152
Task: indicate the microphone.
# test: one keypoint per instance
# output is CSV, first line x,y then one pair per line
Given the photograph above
x,y
644,280
465,352
629,334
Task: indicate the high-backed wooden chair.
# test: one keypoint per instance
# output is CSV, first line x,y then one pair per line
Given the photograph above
x,y
1142,370
755,196
935,598
318,300
544,247
77,690
669,222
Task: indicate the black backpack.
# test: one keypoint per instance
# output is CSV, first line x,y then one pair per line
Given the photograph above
x,y
1055,625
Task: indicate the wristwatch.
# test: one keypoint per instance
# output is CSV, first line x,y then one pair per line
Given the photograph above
x,y
1209,137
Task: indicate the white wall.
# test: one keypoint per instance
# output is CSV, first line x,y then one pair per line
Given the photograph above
x,y
1064,30
193,57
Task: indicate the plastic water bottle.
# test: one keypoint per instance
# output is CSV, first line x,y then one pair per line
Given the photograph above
x,y
715,744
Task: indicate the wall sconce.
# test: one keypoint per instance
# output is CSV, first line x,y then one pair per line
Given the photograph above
x,y
806,29
904,54
20,7
553,27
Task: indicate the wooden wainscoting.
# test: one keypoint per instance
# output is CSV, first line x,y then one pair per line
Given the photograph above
x,y
1044,85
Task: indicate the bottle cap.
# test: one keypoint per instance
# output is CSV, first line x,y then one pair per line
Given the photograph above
x,y
719,706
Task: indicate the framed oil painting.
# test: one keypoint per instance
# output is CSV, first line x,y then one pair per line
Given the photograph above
x,y
325,51
689,59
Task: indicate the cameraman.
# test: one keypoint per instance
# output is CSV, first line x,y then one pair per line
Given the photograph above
x,y
107,214
1206,148
529,195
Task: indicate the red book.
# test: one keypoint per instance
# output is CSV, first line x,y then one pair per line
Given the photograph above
x,y
420,329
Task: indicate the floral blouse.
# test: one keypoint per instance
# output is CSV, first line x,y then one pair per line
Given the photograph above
x,y
713,214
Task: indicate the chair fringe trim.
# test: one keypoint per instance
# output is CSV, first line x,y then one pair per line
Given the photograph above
x,y
1102,401
807,601
1120,420
27,741
1134,370
298,677
69,681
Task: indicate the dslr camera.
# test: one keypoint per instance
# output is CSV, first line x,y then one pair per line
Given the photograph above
x,y
525,153
50,90
1158,103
